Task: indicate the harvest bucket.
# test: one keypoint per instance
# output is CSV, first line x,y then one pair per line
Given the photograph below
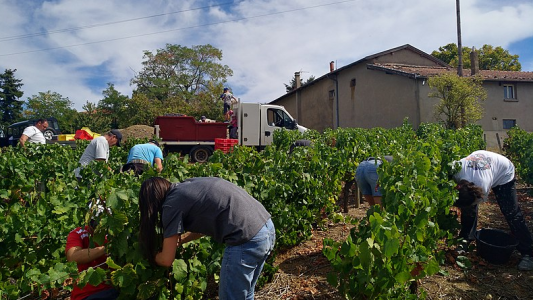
x,y
494,245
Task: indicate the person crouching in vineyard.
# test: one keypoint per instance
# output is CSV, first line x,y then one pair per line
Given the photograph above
x,y
213,207
481,171
79,250
366,176
98,150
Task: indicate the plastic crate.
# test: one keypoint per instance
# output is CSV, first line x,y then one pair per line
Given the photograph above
x,y
226,145
65,137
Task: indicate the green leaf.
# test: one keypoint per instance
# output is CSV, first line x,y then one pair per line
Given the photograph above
x,y
432,267
111,264
391,247
402,277
348,249
463,262
365,255
179,268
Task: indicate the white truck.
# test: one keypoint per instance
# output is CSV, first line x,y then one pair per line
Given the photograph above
x,y
256,126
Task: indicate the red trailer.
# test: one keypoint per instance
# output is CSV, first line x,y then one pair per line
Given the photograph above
x,y
185,135
185,128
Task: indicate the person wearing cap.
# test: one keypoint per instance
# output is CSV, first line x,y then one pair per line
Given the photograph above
x,y
98,149
142,156
366,176
79,249
228,99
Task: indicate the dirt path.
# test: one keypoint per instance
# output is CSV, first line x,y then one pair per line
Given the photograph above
x,y
303,269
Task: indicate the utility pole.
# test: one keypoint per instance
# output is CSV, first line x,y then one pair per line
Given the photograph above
x,y
460,55
459,43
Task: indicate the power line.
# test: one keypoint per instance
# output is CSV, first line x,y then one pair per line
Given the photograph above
x,y
178,29
16,37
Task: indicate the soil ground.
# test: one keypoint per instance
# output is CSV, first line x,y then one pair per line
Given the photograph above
x,y
303,269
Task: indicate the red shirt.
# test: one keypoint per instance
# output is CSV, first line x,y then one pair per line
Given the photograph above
x,y
80,238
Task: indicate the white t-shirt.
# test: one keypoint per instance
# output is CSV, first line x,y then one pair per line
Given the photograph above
x,y
34,135
486,169
97,149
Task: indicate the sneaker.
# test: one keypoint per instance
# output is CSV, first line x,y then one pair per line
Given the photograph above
x,y
526,263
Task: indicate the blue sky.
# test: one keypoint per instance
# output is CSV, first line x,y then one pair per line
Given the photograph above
x,y
75,47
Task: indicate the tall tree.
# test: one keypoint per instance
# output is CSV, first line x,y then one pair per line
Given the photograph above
x,y
52,104
292,85
183,72
142,111
490,58
10,93
92,118
460,99
113,105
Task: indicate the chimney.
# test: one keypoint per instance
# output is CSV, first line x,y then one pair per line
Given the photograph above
x,y
474,62
297,79
331,66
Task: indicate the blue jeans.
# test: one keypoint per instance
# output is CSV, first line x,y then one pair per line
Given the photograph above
x,y
243,263
508,202
366,176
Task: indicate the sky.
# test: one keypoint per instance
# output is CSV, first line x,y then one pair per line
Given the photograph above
x,y
76,47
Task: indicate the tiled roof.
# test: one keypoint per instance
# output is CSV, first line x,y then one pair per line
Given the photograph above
x,y
424,71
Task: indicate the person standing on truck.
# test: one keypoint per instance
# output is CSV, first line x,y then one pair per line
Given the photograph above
x,y
228,99
233,125
182,212
34,134
98,149
142,156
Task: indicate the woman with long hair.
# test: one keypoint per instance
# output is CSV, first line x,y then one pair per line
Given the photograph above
x,y
174,214
480,172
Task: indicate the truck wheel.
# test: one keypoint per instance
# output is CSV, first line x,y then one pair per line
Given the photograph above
x,y
48,133
200,154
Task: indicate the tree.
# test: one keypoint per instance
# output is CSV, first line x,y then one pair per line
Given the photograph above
x,y
292,86
183,72
460,99
490,58
51,104
10,93
92,118
113,105
141,111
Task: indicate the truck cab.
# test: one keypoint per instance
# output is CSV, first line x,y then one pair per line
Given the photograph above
x,y
257,123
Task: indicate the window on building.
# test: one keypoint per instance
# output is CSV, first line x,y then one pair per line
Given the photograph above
x,y
331,94
509,123
509,91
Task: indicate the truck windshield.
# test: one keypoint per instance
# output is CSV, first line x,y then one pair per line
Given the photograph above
x,y
279,118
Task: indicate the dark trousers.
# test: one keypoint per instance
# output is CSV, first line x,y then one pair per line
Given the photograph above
x,y
508,202
226,108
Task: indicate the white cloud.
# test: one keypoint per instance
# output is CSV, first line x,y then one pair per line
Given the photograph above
x,y
271,40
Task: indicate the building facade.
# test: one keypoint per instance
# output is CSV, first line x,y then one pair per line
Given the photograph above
x,y
383,89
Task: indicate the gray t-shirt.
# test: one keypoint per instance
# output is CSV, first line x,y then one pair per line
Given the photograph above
x,y
213,207
97,149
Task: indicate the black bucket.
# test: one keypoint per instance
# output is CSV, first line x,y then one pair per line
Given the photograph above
x,y
494,245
